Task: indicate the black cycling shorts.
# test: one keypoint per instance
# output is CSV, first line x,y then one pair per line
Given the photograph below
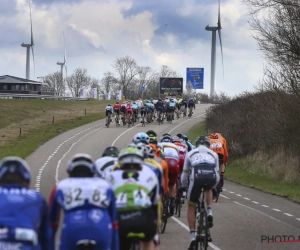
x,y
143,112
170,109
117,111
191,105
221,158
201,176
144,221
108,112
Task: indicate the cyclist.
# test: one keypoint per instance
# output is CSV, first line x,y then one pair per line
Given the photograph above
x,y
204,166
123,112
136,189
184,104
117,108
89,207
218,144
171,154
191,106
144,112
108,110
159,108
135,108
129,112
23,211
107,161
170,109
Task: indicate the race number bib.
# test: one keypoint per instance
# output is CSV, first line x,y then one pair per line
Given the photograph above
x,y
121,200
75,197
201,158
141,198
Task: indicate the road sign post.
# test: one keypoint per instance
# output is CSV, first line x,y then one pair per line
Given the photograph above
x,y
142,89
195,77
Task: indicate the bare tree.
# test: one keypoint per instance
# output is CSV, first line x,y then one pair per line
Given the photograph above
x,y
109,83
78,80
279,39
54,83
126,69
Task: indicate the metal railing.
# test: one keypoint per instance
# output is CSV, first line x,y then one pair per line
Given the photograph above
x,y
34,96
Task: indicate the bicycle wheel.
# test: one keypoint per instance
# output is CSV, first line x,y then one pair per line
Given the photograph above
x,y
164,219
202,231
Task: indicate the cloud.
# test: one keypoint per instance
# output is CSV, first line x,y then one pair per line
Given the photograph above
x,y
153,32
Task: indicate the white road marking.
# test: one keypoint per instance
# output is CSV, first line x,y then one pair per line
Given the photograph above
x,y
277,210
271,217
187,228
246,198
255,202
298,219
38,177
123,134
231,192
185,122
58,163
224,196
264,206
238,195
288,214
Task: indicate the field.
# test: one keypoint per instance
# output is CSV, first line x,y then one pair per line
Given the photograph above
x,y
26,124
241,171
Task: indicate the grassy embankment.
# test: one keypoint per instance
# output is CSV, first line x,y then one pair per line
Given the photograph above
x,y
35,119
249,172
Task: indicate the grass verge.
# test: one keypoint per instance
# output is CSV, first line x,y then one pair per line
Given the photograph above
x,y
238,171
35,119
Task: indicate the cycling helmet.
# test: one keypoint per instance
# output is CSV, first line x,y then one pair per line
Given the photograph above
x,y
81,160
151,133
184,137
202,140
131,156
166,138
166,134
134,102
111,151
108,104
179,135
15,165
150,151
176,139
117,102
141,137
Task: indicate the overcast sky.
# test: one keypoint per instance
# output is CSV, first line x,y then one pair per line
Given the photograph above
x,y
154,32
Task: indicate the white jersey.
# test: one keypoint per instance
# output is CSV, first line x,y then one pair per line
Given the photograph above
x,y
155,101
109,108
201,155
134,190
84,192
139,103
105,164
170,150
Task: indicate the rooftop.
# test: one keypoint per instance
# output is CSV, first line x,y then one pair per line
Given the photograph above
x,y
16,80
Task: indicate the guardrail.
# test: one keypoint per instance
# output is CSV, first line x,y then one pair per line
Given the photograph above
x,y
33,96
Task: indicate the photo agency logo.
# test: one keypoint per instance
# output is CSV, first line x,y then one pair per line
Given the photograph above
x,y
277,239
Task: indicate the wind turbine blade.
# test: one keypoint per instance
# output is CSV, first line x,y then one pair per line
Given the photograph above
x,y
65,56
32,43
219,17
219,32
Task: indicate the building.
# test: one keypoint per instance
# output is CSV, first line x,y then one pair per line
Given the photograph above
x,y
17,85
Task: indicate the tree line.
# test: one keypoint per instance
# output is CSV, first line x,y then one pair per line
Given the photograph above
x,y
126,75
264,124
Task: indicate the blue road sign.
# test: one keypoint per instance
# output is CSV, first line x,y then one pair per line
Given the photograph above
x,y
142,88
195,77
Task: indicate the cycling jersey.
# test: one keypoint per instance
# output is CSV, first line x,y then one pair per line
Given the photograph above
x,y
117,106
219,146
129,109
204,166
23,219
155,164
172,104
89,213
109,108
105,164
182,152
135,106
137,201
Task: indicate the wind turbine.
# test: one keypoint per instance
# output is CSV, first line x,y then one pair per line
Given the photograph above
x,y
213,52
62,64
28,46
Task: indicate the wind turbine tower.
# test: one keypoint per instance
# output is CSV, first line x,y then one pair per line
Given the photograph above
x,y
28,46
63,64
213,52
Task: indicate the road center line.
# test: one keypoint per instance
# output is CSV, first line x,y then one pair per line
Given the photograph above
x,y
123,134
224,196
187,228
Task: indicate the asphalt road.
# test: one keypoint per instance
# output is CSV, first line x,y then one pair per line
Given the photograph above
x,y
244,218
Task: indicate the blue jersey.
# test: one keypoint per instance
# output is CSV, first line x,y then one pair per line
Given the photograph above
x,y
89,212
135,106
172,104
23,219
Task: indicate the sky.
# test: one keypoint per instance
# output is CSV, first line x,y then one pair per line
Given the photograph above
x,y
153,32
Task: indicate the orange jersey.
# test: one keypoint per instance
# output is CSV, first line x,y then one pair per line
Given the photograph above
x,y
163,164
219,146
